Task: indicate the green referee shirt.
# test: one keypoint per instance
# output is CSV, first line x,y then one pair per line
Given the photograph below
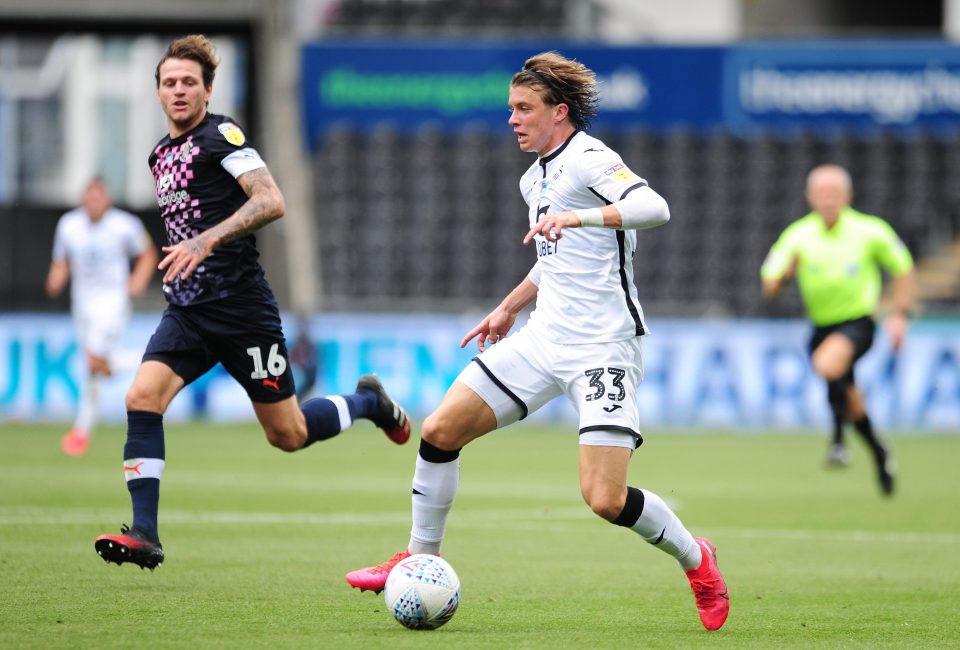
x,y
838,271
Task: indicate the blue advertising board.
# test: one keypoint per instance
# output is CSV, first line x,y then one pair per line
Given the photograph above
x,y
737,374
868,84
744,87
456,85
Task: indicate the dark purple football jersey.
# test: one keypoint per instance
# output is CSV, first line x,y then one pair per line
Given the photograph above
x,y
195,192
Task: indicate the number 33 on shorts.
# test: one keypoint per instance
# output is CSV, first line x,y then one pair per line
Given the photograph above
x,y
608,400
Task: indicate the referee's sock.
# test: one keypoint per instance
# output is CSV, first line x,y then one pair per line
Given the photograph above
x,y
837,396
865,428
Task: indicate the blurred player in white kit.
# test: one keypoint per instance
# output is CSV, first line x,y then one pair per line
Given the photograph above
x,y
93,248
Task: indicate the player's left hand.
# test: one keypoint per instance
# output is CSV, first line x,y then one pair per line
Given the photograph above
x,y
183,258
552,225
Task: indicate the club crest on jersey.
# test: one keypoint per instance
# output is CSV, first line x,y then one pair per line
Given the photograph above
x,y
545,183
186,150
232,133
619,172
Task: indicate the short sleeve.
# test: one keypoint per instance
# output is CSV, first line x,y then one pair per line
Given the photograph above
x,y
240,162
535,273
890,251
228,145
779,257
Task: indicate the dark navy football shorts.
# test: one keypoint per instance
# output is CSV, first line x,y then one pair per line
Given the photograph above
x,y
860,331
243,332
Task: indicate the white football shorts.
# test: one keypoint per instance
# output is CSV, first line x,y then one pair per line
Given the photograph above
x,y
100,326
524,371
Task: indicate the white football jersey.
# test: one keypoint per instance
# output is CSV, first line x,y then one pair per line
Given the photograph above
x,y
99,254
586,290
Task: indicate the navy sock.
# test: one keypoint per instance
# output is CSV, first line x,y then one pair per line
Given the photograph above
x,y
362,404
145,446
145,495
324,419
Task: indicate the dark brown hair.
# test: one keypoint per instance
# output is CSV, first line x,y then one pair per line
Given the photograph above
x,y
562,81
195,47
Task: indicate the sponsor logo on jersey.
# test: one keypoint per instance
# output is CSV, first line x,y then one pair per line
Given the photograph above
x,y
619,172
172,198
232,133
165,183
165,195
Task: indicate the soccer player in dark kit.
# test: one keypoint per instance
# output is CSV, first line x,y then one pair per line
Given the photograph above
x,y
214,191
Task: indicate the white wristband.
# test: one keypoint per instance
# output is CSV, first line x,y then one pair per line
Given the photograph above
x,y
590,217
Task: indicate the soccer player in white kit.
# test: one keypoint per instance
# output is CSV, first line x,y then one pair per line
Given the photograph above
x,y
582,339
93,248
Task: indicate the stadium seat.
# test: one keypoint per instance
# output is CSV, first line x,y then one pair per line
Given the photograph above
x,y
437,217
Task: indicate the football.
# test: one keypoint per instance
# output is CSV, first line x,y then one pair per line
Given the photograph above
x,y
422,592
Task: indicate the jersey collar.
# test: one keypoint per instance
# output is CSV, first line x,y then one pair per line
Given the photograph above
x,y
556,152
841,219
183,136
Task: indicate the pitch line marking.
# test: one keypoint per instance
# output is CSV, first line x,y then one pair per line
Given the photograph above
x,y
518,519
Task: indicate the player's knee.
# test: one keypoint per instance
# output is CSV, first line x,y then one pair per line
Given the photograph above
x,y
437,430
608,509
831,373
139,399
288,443
286,438
828,367
603,503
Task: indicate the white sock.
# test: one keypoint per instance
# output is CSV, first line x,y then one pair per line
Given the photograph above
x,y
659,526
434,489
87,408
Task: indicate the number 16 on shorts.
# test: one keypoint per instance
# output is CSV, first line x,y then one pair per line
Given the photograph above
x,y
276,364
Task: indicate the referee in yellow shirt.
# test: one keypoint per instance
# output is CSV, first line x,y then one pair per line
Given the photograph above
x,y
836,254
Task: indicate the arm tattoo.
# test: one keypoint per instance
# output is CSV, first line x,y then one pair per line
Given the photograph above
x,y
265,204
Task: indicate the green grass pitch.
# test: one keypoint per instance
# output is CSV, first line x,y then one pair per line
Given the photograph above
x,y
258,542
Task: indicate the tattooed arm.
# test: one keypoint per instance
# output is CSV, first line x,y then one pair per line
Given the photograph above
x,y
264,204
